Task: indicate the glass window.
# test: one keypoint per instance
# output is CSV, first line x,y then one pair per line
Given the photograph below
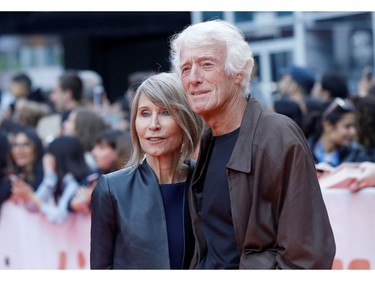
x,y
278,62
18,52
284,14
243,16
212,15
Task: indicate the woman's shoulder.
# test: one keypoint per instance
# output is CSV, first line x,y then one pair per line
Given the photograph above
x,y
113,182
120,174
128,174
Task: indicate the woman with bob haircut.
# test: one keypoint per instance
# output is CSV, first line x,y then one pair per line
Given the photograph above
x,y
140,217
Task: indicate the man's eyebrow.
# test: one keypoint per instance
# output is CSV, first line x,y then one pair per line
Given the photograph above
x,y
207,56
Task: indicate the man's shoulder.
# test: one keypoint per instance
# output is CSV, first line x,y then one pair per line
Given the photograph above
x,y
277,128
276,120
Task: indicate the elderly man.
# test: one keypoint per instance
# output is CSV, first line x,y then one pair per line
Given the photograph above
x,y
255,199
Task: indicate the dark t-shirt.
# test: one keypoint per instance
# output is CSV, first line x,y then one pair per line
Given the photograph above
x,y
173,196
216,213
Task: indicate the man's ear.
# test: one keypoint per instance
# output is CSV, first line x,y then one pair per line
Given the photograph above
x,y
238,78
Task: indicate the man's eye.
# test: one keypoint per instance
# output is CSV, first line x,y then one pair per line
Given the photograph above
x,y
185,69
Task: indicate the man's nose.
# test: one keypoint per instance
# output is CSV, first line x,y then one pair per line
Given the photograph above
x,y
196,75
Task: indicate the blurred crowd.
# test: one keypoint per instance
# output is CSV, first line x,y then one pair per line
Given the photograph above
x,y
339,125
55,145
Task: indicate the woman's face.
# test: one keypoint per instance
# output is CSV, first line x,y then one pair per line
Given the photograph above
x,y
344,131
22,150
104,154
159,134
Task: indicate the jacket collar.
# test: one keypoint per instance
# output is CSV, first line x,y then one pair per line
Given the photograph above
x,y
242,153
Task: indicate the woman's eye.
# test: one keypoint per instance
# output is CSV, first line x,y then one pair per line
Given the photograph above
x,y
145,114
165,113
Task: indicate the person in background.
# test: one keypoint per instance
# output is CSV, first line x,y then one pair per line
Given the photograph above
x,y
367,177
10,127
140,217
6,100
335,132
85,124
112,150
66,96
255,200
352,176
28,113
22,86
64,171
111,153
25,168
297,83
290,108
4,153
331,86
366,83
295,88
371,91
93,93
365,113
21,89
67,93
96,97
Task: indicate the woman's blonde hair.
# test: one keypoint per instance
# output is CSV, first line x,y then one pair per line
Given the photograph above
x,y
165,90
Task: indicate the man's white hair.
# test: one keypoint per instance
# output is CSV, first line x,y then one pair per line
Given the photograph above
x,y
239,55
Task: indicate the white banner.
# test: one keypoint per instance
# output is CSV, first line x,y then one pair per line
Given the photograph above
x,y
352,217
29,241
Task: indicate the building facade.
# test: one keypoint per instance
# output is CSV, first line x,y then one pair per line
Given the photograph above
x,y
341,42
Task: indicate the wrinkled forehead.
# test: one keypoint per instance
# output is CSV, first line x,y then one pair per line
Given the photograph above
x,y
209,44
211,50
